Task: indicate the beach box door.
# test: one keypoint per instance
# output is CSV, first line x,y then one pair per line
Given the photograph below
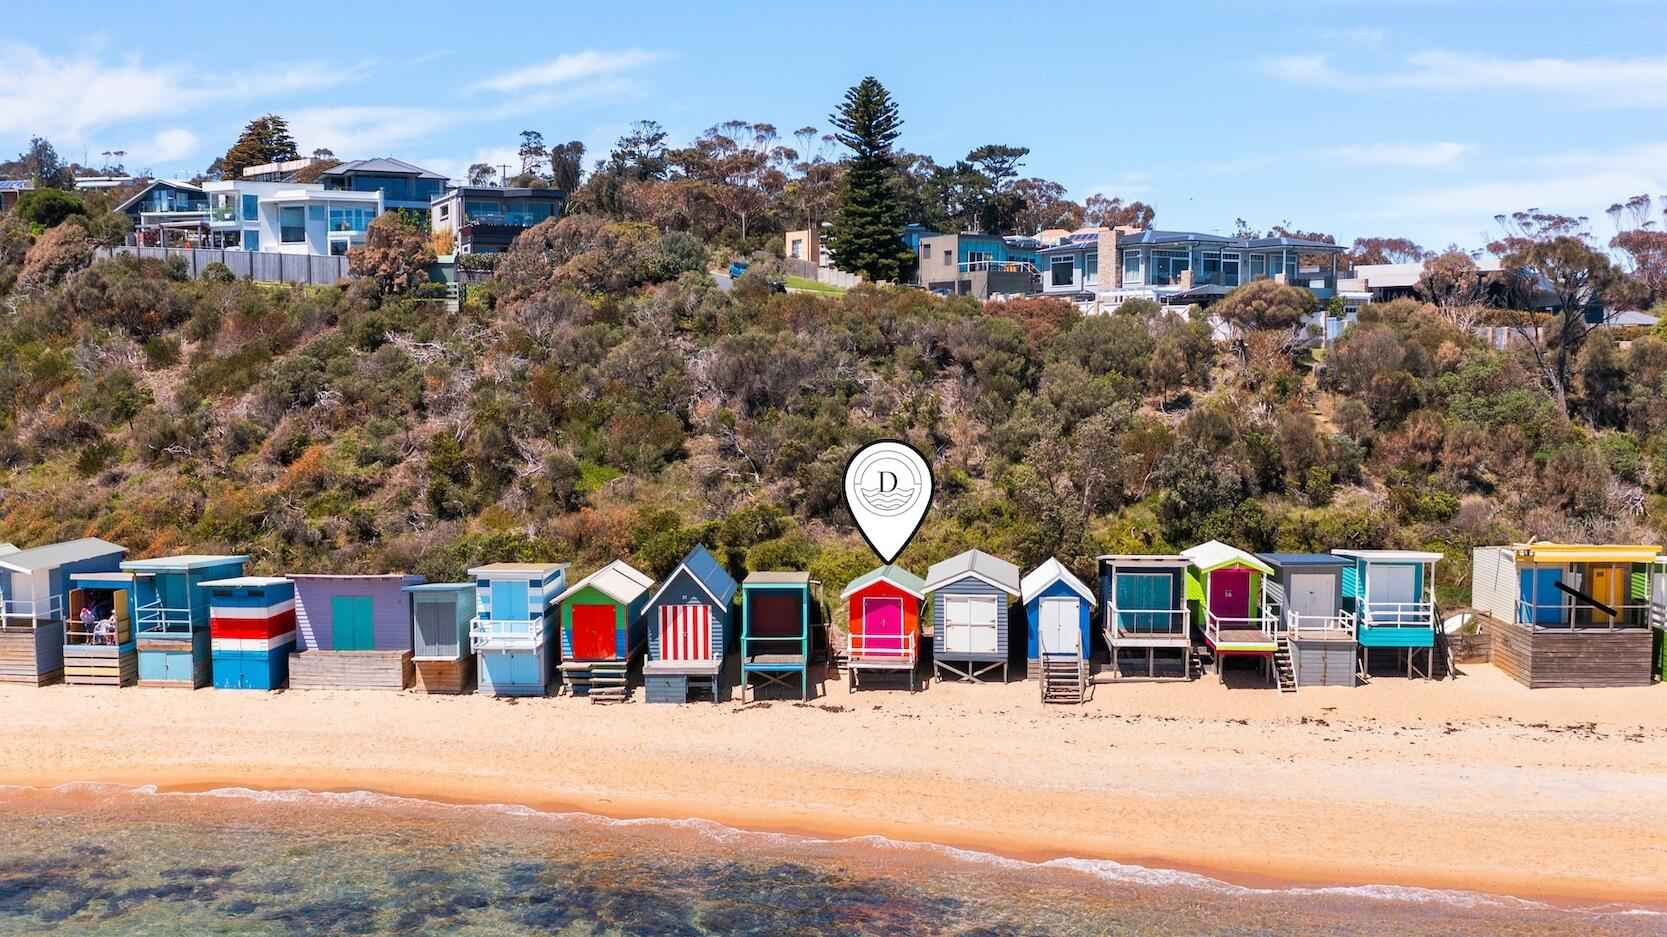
x,y
594,634
882,625
1059,627
1397,585
1143,600
969,624
1230,593
350,623
509,600
1313,597
685,632
1608,588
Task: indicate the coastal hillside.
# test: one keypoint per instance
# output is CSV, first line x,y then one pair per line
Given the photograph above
x,y
603,397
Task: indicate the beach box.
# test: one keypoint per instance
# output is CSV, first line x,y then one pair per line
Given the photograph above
x,y
252,624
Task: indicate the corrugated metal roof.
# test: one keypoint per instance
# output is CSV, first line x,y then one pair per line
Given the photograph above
x,y
161,564
1173,559
711,574
53,555
777,579
1304,559
1050,572
894,574
1215,554
246,582
518,570
1392,556
170,183
992,569
1586,552
618,580
440,587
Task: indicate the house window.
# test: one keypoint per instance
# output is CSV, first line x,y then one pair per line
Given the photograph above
x,y
925,253
338,247
1168,267
251,208
1258,267
1229,269
251,240
292,224
315,212
798,249
1131,268
974,258
1063,271
351,219
949,258
444,211
1091,267
1210,268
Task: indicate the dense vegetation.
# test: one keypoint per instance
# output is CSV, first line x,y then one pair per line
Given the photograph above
x,y
603,398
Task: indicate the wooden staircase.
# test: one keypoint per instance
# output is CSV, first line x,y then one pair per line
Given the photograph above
x,y
603,681
1284,670
1064,679
1196,664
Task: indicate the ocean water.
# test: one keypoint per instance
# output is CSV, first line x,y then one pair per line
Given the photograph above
x,y
98,860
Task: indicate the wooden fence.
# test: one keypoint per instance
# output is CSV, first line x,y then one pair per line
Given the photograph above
x,y
304,269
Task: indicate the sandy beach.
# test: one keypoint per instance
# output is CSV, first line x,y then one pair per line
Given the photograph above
x,y
1475,784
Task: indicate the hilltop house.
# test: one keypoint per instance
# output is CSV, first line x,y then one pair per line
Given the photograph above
x,y
1184,266
11,190
403,186
288,217
166,205
486,219
973,264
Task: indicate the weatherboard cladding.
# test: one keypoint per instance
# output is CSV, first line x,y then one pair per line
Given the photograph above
x,y
683,589
970,585
390,609
1058,589
628,620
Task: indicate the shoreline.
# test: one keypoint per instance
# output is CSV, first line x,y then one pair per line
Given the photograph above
x,y
1332,790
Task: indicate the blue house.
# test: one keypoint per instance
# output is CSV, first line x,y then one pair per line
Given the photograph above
x,y
690,629
970,594
973,264
1144,610
514,630
403,186
1059,621
171,616
167,207
38,602
1391,594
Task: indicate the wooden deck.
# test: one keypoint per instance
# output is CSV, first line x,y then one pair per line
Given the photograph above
x,y
1144,639
1547,657
1244,641
350,670
453,677
775,661
101,665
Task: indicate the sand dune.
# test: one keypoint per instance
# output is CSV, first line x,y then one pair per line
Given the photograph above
x,y
1475,783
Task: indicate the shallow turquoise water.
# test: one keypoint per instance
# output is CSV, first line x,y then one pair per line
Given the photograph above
x,y
106,861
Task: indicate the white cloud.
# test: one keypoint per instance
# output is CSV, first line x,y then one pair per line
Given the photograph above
x,y
172,145
66,98
360,132
1594,82
457,169
1400,155
568,68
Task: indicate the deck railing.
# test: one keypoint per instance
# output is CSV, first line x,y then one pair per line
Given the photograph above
x,y
1340,623
505,634
1640,615
159,621
1149,622
1267,623
104,631
28,614
905,652
1000,266
1419,615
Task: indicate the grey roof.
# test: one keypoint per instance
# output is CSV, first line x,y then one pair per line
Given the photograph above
x,y
170,183
777,579
495,192
440,587
710,573
1184,238
382,164
1303,559
17,184
992,569
894,574
54,555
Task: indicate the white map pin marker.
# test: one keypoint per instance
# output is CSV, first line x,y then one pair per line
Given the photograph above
x,y
888,488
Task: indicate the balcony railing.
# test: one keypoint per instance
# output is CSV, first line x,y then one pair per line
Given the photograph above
x,y
158,621
1569,613
900,649
1398,615
108,631
1341,623
28,614
498,634
1000,266
1266,624
1148,622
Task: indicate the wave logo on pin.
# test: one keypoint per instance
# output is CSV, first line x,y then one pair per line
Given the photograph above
x,y
888,487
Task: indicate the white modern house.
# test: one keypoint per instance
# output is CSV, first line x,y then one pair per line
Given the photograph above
x,y
289,217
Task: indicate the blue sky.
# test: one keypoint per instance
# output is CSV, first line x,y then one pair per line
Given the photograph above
x,y
1388,118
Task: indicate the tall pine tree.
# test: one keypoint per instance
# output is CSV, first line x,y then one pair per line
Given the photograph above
x,y
265,140
867,233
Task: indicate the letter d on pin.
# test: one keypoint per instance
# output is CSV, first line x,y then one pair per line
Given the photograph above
x,y
888,487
